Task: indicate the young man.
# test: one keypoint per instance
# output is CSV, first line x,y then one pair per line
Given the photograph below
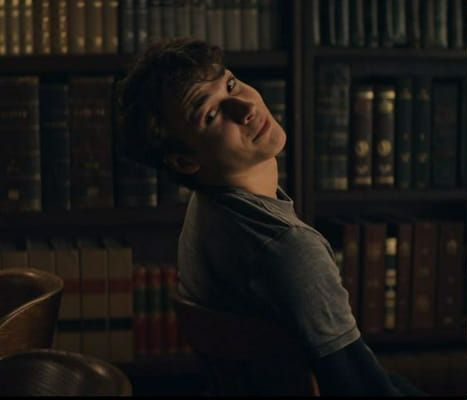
x,y
242,248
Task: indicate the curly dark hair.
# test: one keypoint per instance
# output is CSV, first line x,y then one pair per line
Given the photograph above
x,y
167,68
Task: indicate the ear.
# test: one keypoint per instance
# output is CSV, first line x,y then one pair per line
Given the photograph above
x,y
182,164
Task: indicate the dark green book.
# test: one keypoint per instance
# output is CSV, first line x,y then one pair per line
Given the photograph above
x,y
20,168
414,29
55,146
127,27
361,142
456,24
332,126
427,22
399,13
383,136
386,23
463,138
371,23
404,133
328,20
342,23
357,23
444,134
441,23
422,133
141,25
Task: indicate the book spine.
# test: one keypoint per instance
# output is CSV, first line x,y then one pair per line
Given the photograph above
x,y
233,25
362,137
390,296
20,171
127,26
404,270
155,311
250,34
386,21
215,22
424,276
372,302
141,25
427,18
371,23
444,135
351,259
3,39
404,133
27,23
42,27
171,315
332,137
342,23
422,133
440,23
383,150
198,19
154,20
414,29
59,18
456,24
328,18
94,27
55,146
77,26
182,18
268,29
463,138
168,18
140,318
13,27
450,278
400,22
110,15
357,20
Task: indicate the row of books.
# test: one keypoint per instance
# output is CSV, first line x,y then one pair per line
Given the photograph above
x,y
111,307
403,276
58,147
406,132
387,23
129,26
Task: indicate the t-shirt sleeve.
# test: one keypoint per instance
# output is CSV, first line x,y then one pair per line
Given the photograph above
x,y
299,279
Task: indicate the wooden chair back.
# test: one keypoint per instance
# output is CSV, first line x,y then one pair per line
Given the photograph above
x,y
245,355
29,304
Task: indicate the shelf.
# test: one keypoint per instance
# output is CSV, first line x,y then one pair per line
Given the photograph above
x,y
407,54
172,214
116,63
392,196
163,365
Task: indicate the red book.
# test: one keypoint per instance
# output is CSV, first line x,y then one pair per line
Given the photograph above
x,y
154,309
139,311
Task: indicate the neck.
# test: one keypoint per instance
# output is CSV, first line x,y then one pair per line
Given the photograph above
x,y
260,179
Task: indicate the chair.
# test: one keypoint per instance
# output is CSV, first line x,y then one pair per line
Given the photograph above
x,y
29,304
48,372
244,355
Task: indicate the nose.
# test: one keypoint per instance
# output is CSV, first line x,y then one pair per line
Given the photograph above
x,y
239,110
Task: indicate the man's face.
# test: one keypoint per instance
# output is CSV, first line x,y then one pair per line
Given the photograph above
x,y
227,125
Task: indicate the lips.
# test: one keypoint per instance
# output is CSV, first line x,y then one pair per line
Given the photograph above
x,y
263,129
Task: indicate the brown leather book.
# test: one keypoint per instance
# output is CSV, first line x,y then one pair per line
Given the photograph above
x,y
13,27
77,26
424,275
59,28
404,272
42,27
94,36
110,15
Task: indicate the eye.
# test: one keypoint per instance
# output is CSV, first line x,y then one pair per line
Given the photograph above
x,y
210,116
231,83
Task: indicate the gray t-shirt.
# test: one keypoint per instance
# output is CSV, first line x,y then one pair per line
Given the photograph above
x,y
251,254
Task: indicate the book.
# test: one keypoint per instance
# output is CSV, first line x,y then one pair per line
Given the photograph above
x,y
141,25
462,153
361,141
440,37
400,22
111,27
40,255
422,133
120,292
127,27
425,253
390,287
3,39
171,319
182,14
156,323
20,170
140,313
250,32
332,126
42,27
154,21
373,270
59,26
67,267
386,23
168,18
403,132
233,25
215,22
77,26
268,27
95,297
414,29
371,23
91,142
456,24
198,19
55,146
27,27
328,25
445,126
383,136
342,23
13,27
427,23
94,27
357,23
450,284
